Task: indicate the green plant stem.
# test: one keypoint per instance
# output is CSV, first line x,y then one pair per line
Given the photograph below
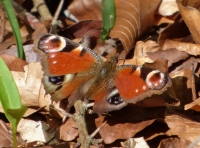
x,y
15,26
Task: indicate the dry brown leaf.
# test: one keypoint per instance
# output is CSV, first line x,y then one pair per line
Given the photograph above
x,y
175,143
112,131
140,53
131,20
173,31
183,127
191,63
125,123
69,130
30,86
192,3
31,131
41,29
142,48
168,7
86,9
90,28
195,105
6,138
191,17
172,55
192,49
135,143
161,20
184,85
14,63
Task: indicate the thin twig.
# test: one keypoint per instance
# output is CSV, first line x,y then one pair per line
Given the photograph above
x,y
97,130
79,117
54,22
63,112
42,9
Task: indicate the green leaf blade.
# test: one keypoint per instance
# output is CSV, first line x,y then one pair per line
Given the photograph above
x,y
10,98
108,17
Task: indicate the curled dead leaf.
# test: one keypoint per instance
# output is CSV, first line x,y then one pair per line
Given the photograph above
x,y
195,105
69,130
191,17
14,63
113,131
184,85
86,9
131,17
183,127
172,55
30,86
193,49
175,142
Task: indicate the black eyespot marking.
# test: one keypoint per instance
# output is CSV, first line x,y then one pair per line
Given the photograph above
x,y
115,100
145,72
56,80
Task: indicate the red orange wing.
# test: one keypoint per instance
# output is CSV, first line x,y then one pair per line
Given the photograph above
x,y
61,56
67,65
135,83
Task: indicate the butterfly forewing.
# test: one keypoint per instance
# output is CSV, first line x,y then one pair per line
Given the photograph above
x,y
63,56
134,83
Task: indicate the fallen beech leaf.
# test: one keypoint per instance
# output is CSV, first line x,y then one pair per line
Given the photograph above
x,y
125,123
140,53
31,56
191,17
26,128
195,105
142,48
191,63
90,28
183,127
193,49
110,132
14,63
86,9
131,17
172,55
173,31
6,139
41,29
159,64
175,143
69,130
168,7
184,85
30,86
135,143
162,20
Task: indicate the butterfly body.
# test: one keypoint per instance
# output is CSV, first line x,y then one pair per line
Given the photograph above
x,y
76,72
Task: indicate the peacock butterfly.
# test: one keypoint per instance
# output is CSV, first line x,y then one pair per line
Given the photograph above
x,y
74,71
